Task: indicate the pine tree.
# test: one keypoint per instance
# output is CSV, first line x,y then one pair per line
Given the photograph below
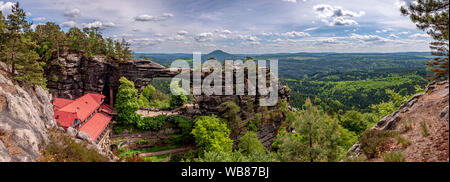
x,y
2,35
50,39
432,16
76,41
17,25
314,136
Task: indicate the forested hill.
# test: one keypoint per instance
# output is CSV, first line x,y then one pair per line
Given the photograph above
x,y
297,65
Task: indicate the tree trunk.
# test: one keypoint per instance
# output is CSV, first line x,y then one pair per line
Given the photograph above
x,y
13,58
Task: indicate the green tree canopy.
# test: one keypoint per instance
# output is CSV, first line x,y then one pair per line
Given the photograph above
x,y
127,103
211,134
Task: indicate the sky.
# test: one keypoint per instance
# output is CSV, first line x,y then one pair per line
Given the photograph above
x,y
250,26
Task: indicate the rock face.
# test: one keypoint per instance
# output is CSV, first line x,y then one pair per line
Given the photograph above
x,y
428,110
25,116
249,105
73,75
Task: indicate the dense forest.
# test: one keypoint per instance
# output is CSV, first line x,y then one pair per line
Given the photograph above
x,y
29,51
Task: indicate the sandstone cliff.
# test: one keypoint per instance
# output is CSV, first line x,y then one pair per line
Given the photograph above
x,y
423,123
25,116
73,75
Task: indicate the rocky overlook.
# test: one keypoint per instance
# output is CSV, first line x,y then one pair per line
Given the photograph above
x,y
422,121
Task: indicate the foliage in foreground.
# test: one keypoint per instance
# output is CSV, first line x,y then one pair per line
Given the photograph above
x,y
373,142
62,148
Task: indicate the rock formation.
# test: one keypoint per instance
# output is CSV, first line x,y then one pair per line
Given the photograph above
x,y
427,110
73,75
25,115
77,75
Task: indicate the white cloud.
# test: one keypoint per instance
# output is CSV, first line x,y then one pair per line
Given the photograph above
x,y
393,36
335,15
419,35
176,38
72,13
311,29
369,38
99,24
145,17
204,37
295,34
403,33
267,34
6,8
39,19
341,21
290,1
69,24
249,38
226,32
182,32
142,42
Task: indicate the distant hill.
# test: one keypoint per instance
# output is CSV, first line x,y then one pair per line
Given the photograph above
x,y
220,56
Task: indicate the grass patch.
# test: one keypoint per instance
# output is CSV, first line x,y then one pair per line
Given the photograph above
x,y
373,141
143,142
403,142
425,131
394,156
157,158
406,126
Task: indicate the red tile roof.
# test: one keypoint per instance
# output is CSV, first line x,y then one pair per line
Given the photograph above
x,y
58,103
95,126
107,109
84,106
65,119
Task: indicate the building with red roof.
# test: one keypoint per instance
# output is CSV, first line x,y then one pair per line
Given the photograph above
x,y
87,113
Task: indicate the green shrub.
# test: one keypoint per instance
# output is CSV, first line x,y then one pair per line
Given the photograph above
x,y
62,148
143,142
373,140
152,123
403,142
395,156
249,143
211,134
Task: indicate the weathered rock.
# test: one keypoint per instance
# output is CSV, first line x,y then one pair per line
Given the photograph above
x,y
390,121
25,116
444,113
84,136
72,132
77,75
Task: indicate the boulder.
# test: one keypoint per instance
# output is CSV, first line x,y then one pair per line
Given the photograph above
x,y
72,132
84,136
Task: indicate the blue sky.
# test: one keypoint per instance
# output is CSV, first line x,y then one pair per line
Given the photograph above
x,y
253,26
